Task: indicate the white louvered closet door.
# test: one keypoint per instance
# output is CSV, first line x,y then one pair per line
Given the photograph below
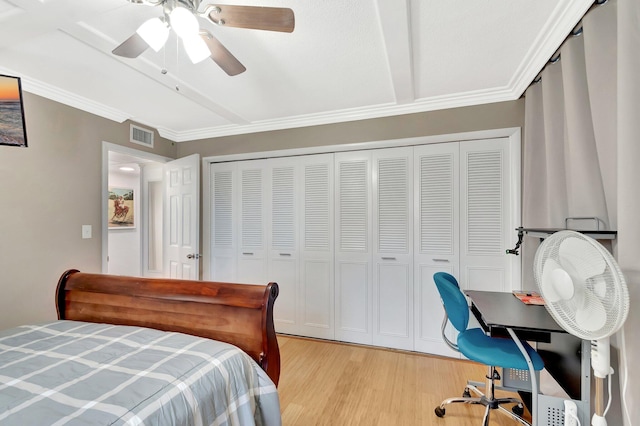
x,y
393,248
252,222
353,248
223,198
486,231
437,231
316,289
283,254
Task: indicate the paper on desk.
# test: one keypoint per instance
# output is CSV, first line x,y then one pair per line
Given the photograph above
x,y
529,297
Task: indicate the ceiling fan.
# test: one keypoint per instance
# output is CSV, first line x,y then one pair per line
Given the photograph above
x,y
200,44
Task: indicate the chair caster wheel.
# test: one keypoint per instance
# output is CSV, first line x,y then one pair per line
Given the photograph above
x,y
466,393
518,410
440,411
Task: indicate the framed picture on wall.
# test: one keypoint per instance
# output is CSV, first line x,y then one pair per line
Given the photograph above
x,y
12,128
120,208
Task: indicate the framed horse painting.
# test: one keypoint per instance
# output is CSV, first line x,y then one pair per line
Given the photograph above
x,y
120,208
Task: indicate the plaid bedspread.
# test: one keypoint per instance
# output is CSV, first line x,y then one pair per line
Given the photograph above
x,y
77,373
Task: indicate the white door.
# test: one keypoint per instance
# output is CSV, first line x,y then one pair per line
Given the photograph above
x,y
252,222
224,223
393,248
353,248
316,290
486,230
437,231
283,235
182,218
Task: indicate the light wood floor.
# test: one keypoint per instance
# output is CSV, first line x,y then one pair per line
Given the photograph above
x,y
329,383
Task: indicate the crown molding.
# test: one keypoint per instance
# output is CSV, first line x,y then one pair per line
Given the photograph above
x,y
71,99
549,40
352,114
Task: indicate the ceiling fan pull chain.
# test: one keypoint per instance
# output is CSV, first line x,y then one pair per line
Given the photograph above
x,y
163,71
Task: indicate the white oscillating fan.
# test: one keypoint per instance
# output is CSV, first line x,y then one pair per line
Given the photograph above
x,y
585,292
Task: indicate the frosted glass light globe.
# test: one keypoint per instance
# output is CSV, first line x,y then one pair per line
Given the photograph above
x,y
183,22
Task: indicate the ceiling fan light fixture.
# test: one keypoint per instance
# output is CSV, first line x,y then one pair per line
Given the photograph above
x,y
199,44
183,22
196,48
154,32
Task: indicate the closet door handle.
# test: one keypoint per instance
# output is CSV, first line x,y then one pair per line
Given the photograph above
x,y
285,254
441,260
388,258
247,253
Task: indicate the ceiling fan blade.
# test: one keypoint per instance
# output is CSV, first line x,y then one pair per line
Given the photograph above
x,y
221,55
252,17
131,47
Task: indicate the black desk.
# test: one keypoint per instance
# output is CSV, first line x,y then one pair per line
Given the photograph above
x,y
495,311
562,352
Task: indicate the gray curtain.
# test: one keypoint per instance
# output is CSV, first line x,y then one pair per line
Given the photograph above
x,y
582,156
563,172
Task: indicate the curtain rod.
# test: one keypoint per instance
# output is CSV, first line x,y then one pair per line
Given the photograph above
x,y
575,32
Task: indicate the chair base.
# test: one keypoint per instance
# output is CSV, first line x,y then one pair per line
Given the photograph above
x,y
488,401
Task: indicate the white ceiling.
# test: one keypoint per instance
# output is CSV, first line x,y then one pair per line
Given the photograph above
x,y
345,60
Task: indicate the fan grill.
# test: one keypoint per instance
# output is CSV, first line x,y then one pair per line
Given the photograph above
x,y
597,281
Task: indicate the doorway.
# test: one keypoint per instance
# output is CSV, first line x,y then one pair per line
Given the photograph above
x,y
132,183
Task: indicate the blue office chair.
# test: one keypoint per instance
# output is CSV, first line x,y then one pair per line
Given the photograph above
x,y
477,346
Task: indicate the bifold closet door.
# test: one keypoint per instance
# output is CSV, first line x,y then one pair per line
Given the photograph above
x,y
353,247
488,190
316,284
300,241
463,225
282,193
239,203
393,248
223,190
272,220
252,222
437,233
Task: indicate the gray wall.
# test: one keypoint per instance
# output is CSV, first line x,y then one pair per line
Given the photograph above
x,y
47,192
456,120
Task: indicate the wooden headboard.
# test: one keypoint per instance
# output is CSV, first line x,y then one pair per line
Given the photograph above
x,y
240,314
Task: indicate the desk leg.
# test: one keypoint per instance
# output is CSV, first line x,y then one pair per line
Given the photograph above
x,y
532,375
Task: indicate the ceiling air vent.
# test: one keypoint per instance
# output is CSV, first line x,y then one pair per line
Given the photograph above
x,y
141,136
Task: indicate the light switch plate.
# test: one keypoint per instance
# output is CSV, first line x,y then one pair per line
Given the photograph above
x,y
86,231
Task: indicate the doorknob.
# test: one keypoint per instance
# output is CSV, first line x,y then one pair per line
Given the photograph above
x,y
193,256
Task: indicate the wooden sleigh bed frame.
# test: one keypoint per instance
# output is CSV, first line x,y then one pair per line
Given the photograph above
x,y
240,314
